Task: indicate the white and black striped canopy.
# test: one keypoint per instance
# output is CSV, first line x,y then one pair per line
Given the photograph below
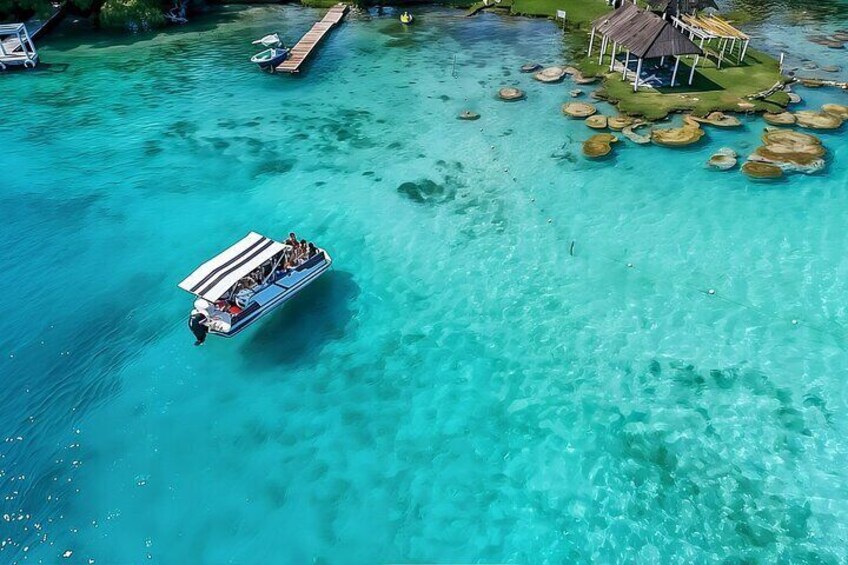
x,y
218,275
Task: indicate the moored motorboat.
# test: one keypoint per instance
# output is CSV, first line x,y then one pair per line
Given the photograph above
x,y
247,281
271,57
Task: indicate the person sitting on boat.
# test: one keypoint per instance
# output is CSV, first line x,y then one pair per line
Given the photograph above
x,y
292,240
312,251
304,251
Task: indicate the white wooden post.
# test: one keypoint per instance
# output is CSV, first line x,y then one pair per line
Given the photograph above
x,y
692,73
612,57
674,73
603,50
638,74
662,60
591,41
626,65
744,50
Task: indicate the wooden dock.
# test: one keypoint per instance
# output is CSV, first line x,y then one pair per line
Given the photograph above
x,y
310,41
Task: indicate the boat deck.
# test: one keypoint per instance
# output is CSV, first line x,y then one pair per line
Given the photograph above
x,y
310,41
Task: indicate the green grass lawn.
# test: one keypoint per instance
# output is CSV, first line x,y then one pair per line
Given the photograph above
x,y
712,90
579,12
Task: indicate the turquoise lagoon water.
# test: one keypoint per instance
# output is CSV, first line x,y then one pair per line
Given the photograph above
x,y
481,378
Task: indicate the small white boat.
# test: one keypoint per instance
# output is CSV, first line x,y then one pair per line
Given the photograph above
x,y
270,40
247,281
270,58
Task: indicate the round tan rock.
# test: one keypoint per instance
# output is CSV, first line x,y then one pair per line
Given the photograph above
x,y
676,137
630,133
719,119
510,93
580,79
578,110
598,145
722,161
550,74
817,120
779,119
597,121
618,123
530,67
791,138
838,110
760,170
794,98
468,115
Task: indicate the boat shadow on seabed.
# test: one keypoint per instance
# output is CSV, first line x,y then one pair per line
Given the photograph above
x,y
300,330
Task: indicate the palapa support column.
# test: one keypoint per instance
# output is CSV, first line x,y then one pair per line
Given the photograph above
x,y
638,74
626,65
674,73
692,72
612,57
603,50
744,50
591,41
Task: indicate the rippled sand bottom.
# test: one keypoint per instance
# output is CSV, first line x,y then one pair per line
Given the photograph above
x,y
517,357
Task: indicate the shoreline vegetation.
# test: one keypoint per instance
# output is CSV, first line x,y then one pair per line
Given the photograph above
x,y
731,89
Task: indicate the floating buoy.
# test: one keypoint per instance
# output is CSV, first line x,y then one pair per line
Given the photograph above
x,y
794,322
630,265
711,291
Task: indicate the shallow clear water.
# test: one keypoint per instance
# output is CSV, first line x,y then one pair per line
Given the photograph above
x,y
464,386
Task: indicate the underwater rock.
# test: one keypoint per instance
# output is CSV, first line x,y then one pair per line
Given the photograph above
x,y
468,115
618,123
791,151
530,67
597,121
718,119
510,93
677,137
578,110
759,170
426,192
779,119
578,77
832,42
817,120
550,74
599,145
791,138
840,36
838,110
576,92
630,133
831,68
723,159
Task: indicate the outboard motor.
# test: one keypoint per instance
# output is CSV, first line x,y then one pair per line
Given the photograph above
x,y
198,320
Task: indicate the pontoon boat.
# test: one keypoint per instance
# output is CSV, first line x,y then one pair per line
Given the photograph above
x,y
247,281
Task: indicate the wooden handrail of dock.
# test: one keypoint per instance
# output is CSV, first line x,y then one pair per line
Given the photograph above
x,y
310,41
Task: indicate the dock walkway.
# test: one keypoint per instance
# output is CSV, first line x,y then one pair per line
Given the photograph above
x,y
310,41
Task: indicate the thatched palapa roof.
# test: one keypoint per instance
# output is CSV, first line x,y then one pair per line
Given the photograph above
x,y
644,34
